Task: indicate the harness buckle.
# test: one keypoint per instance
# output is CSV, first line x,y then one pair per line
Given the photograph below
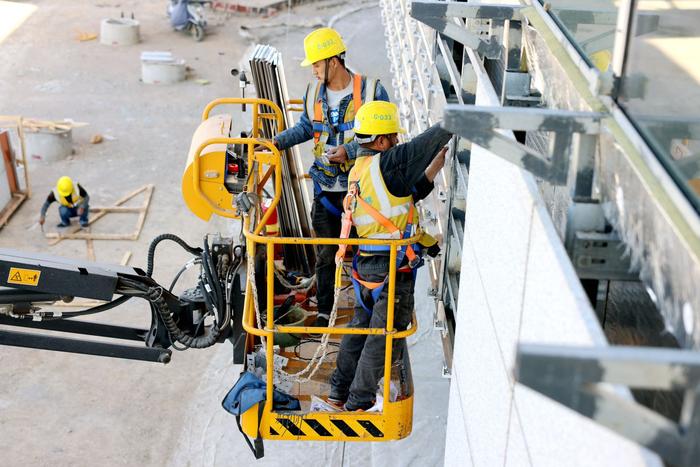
x,y
415,262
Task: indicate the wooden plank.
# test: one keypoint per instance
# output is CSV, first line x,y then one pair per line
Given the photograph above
x,y
116,208
57,237
6,151
142,216
11,207
90,249
125,258
90,236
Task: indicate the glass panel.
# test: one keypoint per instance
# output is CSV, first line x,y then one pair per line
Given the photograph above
x,y
661,85
590,24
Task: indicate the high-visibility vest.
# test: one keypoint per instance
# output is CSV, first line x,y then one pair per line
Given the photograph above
x,y
70,201
377,213
321,125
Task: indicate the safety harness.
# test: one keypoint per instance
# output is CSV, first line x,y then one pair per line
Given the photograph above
x,y
411,252
322,130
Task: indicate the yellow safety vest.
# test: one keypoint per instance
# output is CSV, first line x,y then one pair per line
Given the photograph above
x,y
70,201
319,121
378,213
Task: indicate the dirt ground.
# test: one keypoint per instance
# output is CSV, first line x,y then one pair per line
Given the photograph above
x,y
66,409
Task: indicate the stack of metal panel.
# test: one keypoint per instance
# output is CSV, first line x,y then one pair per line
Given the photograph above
x,y
293,210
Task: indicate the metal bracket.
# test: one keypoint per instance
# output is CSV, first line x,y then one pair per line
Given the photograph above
x,y
571,131
596,253
437,15
572,376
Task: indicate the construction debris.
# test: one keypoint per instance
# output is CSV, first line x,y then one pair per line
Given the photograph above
x,y
96,139
86,36
35,125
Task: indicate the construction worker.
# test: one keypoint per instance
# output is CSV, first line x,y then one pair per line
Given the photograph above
x,y
330,105
385,182
73,202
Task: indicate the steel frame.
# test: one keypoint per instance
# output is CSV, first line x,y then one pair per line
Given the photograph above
x,y
576,377
580,379
438,14
480,125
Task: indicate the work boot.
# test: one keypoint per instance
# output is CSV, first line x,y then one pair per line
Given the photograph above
x,y
336,403
84,225
61,225
355,407
321,320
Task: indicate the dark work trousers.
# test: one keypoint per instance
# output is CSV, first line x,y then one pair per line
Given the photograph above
x,y
360,362
66,213
326,225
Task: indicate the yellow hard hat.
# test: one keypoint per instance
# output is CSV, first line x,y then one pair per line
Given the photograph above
x,y
321,44
377,118
64,186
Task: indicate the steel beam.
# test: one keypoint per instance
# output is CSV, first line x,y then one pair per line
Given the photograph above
x,y
437,15
61,344
480,124
572,377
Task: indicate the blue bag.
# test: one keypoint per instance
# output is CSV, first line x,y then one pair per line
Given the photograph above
x,y
247,392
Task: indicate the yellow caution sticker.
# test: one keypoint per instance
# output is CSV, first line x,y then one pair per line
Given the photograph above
x,y
23,276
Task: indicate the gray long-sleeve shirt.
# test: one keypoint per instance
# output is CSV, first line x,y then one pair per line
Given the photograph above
x,y
403,169
403,166
51,198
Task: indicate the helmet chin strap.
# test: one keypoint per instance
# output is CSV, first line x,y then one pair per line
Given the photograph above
x,y
325,75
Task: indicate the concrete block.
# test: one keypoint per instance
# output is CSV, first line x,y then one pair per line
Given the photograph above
x,y
46,145
119,31
556,309
517,453
457,449
483,380
558,436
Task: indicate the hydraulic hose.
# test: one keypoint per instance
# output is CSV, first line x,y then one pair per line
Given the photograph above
x,y
171,237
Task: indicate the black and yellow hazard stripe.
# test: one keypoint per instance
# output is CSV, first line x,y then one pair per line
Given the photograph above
x,y
330,428
394,423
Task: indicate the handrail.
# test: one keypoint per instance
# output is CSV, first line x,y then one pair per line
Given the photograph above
x,y
248,319
256,102
276,160
253,239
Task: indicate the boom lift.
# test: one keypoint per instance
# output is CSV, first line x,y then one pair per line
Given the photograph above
x,y
229,177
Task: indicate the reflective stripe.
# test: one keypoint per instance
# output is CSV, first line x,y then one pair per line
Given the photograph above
x,y
322,130
75,198
382,196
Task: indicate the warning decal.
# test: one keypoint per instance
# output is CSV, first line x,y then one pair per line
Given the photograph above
x,y
23,277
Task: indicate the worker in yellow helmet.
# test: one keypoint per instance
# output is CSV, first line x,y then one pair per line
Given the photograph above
x,y
384,184
72,199
330,105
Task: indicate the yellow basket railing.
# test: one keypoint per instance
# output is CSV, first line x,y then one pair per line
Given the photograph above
x,y
254,239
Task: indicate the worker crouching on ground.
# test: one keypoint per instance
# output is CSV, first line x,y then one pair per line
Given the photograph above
x,y
385,182
330,105
73,202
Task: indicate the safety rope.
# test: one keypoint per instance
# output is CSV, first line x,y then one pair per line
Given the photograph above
x,y
316,360
305,285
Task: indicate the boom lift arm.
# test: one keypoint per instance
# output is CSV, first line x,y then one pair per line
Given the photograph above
x,y
198,318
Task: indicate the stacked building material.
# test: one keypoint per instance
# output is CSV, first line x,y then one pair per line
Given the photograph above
x,y
293,210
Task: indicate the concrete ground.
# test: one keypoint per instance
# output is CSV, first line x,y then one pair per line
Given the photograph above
x,y
66,409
